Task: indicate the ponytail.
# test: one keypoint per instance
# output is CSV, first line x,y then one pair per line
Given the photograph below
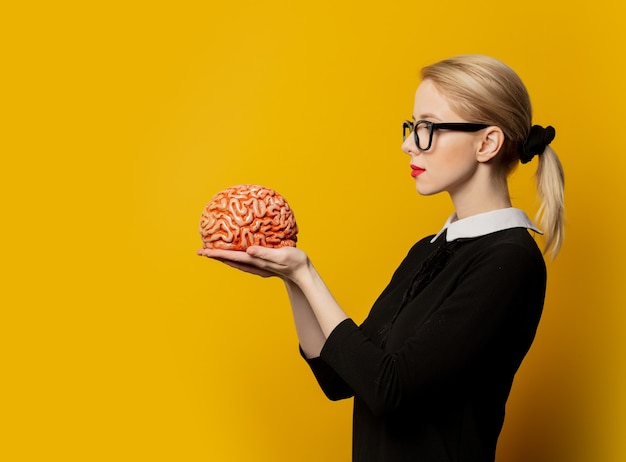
x,y
550,188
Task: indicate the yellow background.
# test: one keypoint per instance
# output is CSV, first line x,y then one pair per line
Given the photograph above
x,y
120,120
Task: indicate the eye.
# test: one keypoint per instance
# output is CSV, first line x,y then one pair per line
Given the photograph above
x,y
423,128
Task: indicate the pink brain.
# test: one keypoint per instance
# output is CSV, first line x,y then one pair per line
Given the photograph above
x,y
245,215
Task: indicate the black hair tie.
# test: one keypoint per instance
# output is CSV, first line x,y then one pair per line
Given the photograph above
x,y
536,142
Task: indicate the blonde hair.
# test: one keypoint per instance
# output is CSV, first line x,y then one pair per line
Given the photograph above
x,y
485,90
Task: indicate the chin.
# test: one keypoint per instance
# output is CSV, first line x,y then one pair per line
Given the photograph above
x,y
425,191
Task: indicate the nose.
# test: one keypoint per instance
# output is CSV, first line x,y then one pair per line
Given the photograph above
x,y
408,146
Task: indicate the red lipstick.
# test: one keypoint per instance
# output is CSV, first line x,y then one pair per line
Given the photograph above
x,y
416,171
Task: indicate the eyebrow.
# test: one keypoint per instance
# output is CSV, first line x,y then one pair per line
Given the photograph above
x,y
426,116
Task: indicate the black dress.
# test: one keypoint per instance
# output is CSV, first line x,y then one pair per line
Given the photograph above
x,y
431,367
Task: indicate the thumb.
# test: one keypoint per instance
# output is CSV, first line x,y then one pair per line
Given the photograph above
x,y
269,254
255,251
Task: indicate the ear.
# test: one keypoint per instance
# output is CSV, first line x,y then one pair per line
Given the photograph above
x,y
491,140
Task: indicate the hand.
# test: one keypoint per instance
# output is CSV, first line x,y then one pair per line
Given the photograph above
x,y
283,262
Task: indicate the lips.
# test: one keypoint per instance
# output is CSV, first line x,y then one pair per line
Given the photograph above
x,y
416,171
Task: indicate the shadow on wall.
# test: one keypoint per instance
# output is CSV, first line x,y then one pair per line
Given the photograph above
x,y
548,420
560,395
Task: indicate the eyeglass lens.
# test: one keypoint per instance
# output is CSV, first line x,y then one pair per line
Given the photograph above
x,y
421,132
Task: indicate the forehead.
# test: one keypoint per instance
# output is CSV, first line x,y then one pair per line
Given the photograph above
x,y
430,103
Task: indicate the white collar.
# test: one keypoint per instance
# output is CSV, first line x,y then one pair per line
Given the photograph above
x,y
485,223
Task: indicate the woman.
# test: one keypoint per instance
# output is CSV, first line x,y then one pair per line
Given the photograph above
x,y
431,367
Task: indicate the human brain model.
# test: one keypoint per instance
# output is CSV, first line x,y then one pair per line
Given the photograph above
x,y
245,215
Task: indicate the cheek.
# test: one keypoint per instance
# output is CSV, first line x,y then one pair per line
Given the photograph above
x,y
452,163
454,154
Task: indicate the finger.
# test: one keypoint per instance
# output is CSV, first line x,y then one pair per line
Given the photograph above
x,y
219,253
268,254
240,260
247,268
256,251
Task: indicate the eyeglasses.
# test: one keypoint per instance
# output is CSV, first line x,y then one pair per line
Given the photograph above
x,y
423,130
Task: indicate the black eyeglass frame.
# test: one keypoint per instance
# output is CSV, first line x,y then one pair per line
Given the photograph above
x,y
432,126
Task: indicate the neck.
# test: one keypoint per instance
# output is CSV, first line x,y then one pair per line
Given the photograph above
x,y
480,197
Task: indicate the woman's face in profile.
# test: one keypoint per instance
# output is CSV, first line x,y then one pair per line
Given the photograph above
x,y
450,163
